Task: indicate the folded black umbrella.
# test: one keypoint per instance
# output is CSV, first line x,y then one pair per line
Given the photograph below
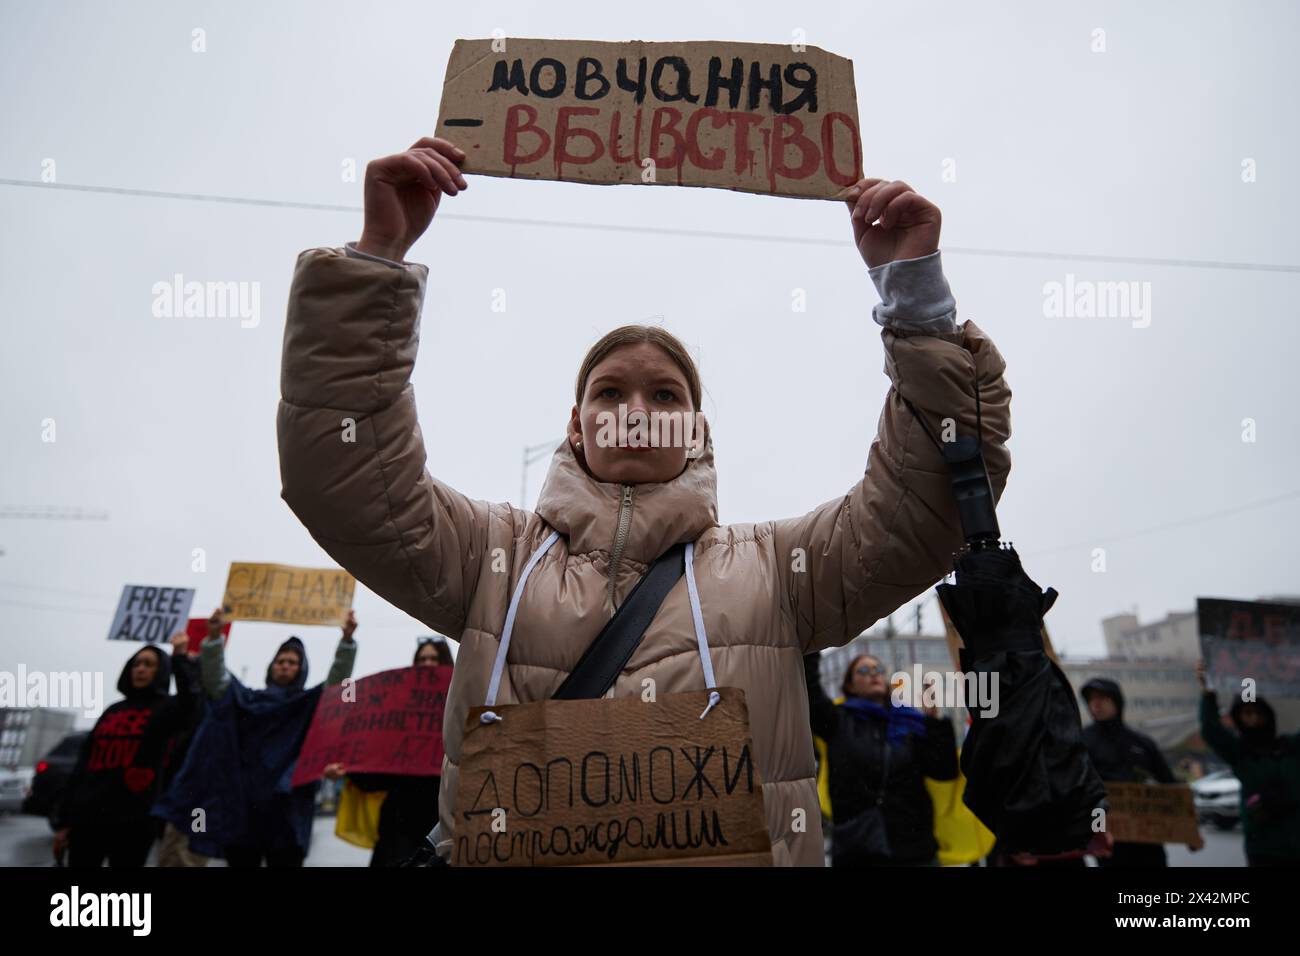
x,y
1028,775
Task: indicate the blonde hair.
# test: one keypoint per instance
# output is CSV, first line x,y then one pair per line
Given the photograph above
x,y
637,335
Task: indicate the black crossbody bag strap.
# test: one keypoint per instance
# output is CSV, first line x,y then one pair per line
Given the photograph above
x,y
609,653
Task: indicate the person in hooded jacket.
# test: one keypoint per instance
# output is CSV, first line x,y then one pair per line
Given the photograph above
x,y
879,755
1268,766
1123,755
240,764
410,807
757,596
103,813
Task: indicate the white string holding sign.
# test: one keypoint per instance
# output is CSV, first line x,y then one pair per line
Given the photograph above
x,y
503,648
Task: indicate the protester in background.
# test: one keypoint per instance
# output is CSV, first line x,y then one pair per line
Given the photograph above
x,y
760,595
879,754
1123,755
103,813
237,777
1268,766
173,847
410,805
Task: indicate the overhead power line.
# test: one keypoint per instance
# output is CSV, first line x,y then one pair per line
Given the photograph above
x,y
52,513
666,230
1166,526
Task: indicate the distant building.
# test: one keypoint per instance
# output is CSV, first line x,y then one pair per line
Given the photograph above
x,y
1175,638
26,733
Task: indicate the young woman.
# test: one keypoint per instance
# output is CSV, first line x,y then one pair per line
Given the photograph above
x,y
879,755
765,594
239,767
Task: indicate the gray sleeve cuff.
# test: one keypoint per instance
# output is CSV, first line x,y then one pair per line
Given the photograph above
x,y
352,250
914,296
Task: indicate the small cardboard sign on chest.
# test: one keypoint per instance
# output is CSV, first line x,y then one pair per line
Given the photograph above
x,y
754,117
608,782
1151,813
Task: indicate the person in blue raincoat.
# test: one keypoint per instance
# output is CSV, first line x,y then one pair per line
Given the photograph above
x,y
233,795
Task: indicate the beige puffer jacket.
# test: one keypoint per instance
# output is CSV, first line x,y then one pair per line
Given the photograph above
x,y
770,592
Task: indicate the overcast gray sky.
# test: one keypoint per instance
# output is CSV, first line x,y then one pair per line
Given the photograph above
x,y
168,425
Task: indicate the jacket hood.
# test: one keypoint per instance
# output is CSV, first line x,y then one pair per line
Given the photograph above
x,y
161,678
295,645
586,510
1101,685
1255,735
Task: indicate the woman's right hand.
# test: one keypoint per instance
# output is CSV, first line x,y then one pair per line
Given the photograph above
x,y
333,771
61,842
402,193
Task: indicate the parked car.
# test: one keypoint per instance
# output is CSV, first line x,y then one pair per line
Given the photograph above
x,y
14,782
52,773
1217,797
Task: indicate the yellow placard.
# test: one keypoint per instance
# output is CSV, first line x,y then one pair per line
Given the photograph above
x,y
288,595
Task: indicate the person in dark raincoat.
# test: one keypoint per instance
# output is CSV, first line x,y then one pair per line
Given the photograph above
x,y
103,813
1268,766
879,755
1123,755
234,795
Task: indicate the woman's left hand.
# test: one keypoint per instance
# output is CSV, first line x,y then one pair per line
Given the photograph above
x,y
891,221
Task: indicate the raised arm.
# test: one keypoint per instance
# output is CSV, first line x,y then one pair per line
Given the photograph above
x,y
857,558
345,655
822,712
352,457
1216,736
213,676
185,709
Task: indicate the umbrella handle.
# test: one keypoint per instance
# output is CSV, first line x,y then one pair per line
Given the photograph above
x,y
972,489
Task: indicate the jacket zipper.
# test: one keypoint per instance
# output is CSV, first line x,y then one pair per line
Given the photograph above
x,y
620,540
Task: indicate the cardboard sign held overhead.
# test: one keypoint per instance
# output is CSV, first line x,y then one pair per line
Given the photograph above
x,y
277,592
1151,813
150,614
1251,640
606,782
390,722
754,117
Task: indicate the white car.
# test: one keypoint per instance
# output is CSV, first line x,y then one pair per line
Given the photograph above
x,y
1217,797
14,784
